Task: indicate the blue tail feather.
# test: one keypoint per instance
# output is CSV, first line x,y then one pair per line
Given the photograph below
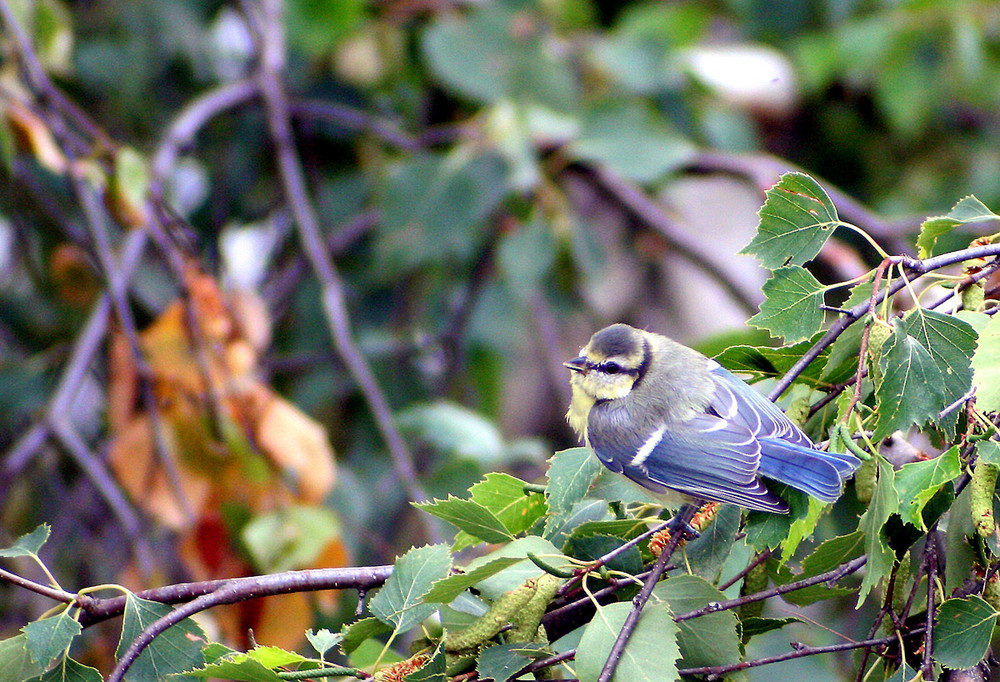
x,y
817,473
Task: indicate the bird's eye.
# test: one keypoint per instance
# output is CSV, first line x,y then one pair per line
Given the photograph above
x,y
611,368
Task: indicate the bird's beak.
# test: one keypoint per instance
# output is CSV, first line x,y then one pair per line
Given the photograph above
x,y
577,364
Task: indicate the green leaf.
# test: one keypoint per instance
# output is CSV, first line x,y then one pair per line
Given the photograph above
x,y
791,308
514,576
651,653
571,473
446,589
962,632
291,537
469,516
68,670
318,26
767,531
710,639
15,661
502,661
323,640
434,670
631,139
361,630
237,666
884,502
827,556
400,602
802,528
434,209
918,482
50,637
504,496
988,451
453,430
796,220
499,51
968,210
753,626
626,529
175,651
28,544
559,528
708,554
986,367
911,391
768,362
951,342
594,547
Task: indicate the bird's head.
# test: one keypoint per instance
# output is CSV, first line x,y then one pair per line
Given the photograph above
x,y
611,363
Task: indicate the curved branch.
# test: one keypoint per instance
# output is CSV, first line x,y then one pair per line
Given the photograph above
x,y
333,298
309,580
913,266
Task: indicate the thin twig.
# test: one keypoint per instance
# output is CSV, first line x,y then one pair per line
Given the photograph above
x,y
930,555
272,51
683,518
712,672
865,336
636,202
914,266
830,576
38,588
757,561
308,580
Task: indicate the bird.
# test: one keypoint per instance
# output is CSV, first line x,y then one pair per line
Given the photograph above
x,y
680,425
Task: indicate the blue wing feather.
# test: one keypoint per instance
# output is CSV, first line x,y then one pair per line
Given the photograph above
x,y
720,454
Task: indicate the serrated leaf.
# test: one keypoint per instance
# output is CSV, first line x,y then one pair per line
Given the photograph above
x,y
986,367
502,661
469,516
571,473
767,362
446,589
795,221
514,576
951,342
884,502
827,556
791,308
707,640
911,390
651,653
504,496
988,451
400,602
708,554
434,670
323,640
15,661
559,528
28,544
453,430
753,626
237,666
918,482
962,632
361,630
802,528
50,637
594,547
68,670
968,210
767,531
175,651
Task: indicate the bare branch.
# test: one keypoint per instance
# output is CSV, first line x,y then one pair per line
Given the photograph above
x,y
272,49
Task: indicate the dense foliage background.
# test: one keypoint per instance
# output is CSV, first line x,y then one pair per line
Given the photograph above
x,y
270,272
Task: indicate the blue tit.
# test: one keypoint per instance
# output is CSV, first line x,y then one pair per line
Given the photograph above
x,y
671,419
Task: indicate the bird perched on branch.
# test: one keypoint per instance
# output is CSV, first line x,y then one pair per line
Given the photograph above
x,y
671,419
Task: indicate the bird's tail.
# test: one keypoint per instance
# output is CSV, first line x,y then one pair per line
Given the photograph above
x,y
820,474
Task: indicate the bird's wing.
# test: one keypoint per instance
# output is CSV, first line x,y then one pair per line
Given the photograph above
x,y
705,457
787,454
738,403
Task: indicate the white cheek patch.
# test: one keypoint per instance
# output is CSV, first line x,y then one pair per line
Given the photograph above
x,y
643,453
